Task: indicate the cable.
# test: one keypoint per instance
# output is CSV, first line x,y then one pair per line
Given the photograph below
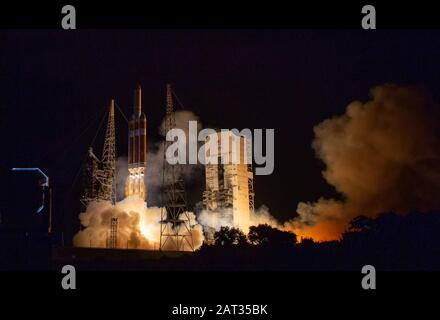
x,y
99,128
77,139
88,126
178,100
85,157
122,113
77,174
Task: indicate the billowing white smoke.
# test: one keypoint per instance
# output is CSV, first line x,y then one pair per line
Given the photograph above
x,y
220,218
155,158
121,176
138,226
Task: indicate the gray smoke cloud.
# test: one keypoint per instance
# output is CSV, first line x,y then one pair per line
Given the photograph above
x,y
121,176
382,155
155,157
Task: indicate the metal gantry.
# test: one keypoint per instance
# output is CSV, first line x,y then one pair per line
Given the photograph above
x,y
108,179
113,241
101,174
175,223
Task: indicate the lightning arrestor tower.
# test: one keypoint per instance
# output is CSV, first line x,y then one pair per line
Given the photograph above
x,y
109,158
175,224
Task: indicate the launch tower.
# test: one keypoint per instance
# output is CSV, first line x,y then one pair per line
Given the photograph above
x,y
175,224
100,174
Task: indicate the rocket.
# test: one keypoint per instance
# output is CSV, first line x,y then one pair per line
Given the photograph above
x,y
137,133
137,149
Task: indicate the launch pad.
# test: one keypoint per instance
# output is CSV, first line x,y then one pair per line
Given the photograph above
x,y
175,225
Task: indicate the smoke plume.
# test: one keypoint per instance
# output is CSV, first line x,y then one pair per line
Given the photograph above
x,y
121,176
155,158
219,218
381,156
138,225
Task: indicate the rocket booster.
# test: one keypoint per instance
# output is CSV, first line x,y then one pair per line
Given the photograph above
x,y
137,149
137,134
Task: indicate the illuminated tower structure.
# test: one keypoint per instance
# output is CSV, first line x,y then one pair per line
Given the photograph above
x,y
108,180
175,223
137,149
229,178
100,181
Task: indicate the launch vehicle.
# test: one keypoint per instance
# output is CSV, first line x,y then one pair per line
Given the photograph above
x,y
137,149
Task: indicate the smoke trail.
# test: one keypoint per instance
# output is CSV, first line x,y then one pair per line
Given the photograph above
x,y
382,156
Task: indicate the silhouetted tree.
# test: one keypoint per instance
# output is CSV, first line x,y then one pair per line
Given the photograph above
x,y
264,234
360,224
229,236
307,243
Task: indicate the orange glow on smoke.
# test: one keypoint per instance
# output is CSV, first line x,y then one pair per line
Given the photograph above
x,y
323,231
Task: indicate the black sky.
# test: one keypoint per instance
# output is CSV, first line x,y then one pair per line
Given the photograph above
x,y
53,84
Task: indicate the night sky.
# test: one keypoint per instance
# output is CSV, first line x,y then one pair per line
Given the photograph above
x,y
55,87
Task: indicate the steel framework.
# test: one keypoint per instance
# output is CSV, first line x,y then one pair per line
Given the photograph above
x,y
175,224
113,241
100,174
107,179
